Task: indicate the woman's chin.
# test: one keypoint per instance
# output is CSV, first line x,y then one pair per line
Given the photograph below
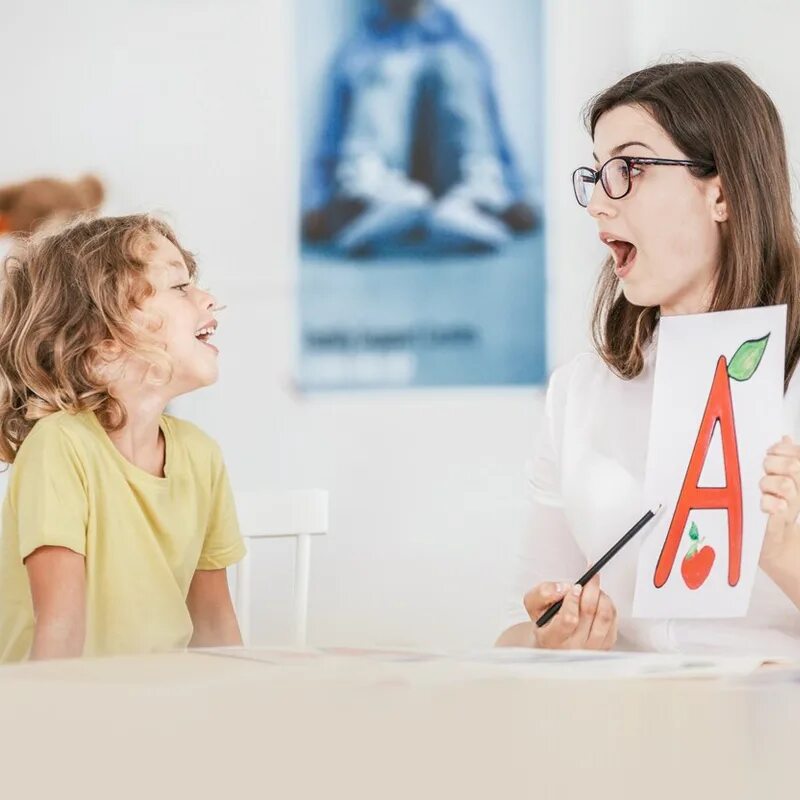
x,y
638,296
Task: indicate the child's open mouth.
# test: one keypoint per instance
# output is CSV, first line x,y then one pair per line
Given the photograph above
x,y
205,333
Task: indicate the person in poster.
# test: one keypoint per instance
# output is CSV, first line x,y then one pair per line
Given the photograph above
x,y
412,147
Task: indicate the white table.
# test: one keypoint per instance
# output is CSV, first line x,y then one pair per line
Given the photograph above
x,y
196,725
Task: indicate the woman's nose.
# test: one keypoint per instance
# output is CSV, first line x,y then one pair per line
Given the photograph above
x,y
600,204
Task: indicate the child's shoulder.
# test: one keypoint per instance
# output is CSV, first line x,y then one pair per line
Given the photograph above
x,y
59,426
58,437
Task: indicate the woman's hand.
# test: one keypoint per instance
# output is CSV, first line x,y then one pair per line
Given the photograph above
x,y
780,498
587,620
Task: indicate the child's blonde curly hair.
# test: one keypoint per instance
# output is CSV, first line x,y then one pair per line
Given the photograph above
x,y
66,306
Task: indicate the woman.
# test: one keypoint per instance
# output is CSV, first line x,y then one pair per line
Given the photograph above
x,y
690,192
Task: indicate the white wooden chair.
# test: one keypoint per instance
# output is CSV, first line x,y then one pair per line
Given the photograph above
x,y
300,514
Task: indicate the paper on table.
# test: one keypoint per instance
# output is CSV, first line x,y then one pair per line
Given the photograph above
x,y
377,666
717,407
595,665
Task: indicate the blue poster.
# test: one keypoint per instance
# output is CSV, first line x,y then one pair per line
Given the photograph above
x,y
421,224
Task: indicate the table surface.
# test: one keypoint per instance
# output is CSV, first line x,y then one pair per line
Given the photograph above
x,y
246,724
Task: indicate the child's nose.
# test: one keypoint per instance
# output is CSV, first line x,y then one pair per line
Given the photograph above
x,y
207,300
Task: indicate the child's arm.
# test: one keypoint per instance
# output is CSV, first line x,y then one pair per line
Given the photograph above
x,y
57,576
211,609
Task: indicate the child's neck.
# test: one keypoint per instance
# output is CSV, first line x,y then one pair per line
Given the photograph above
x,y
140,440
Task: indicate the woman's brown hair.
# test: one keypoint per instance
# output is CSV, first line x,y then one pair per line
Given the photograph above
x,y
713,112
66,305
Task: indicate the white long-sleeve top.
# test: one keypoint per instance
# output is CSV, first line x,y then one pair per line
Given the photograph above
x,y
586,485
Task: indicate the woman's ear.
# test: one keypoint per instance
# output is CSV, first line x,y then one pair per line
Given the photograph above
x,y
716,200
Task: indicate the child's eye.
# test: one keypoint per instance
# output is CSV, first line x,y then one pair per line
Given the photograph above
x,y
182,287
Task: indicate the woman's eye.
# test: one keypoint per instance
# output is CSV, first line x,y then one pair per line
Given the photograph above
x,y
624,170
635,171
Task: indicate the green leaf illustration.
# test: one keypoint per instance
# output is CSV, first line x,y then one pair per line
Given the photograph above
x,y
694,535
746,359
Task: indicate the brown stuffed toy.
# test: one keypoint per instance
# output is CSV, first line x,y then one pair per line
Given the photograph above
x,y
26,206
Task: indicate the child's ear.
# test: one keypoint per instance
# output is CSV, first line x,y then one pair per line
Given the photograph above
x,y
106,363
108,350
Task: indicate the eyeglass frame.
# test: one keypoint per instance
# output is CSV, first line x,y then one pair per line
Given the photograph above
x,y
630,161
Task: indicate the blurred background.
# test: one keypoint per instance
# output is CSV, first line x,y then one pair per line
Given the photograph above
x,y
195,109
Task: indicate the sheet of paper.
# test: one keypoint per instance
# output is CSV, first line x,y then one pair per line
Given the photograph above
x,y
597,665
717,407
377,666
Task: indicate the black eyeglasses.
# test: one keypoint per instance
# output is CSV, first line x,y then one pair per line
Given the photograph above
x,y
615,175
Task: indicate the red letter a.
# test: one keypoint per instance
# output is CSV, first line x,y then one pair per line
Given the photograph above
x,y
719,409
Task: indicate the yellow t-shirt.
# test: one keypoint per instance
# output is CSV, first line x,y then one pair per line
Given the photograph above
x,y
142,536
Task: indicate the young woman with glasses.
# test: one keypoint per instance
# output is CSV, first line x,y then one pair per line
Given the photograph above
x,y
690,192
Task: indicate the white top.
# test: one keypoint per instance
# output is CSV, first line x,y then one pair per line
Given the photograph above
x,y
586,483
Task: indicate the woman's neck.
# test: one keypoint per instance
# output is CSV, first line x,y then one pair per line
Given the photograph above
x,y
692,302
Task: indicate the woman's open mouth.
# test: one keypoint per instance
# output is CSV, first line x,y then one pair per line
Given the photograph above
x,y
623,252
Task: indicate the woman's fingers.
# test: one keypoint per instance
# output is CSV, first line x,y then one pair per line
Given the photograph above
x,y
611,636
541,597
780,497
561,628
783,465
774,505
785,447
587,617
590,597
783,481
780,486
602,633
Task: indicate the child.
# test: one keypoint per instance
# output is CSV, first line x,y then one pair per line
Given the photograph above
x,y
119,521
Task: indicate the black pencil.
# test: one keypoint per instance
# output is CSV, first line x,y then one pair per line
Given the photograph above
x,y
598,565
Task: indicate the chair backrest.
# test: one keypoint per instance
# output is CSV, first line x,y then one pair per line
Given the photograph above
x,y
290,513
301,514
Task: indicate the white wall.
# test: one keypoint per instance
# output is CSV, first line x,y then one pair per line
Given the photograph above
x,y
186,106
759,37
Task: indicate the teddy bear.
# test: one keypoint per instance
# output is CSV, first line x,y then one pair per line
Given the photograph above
x,y
26,206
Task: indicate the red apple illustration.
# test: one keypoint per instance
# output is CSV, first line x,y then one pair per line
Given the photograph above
x,y
697,563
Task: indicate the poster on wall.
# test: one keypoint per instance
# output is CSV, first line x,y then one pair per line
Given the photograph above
x,y
422,259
